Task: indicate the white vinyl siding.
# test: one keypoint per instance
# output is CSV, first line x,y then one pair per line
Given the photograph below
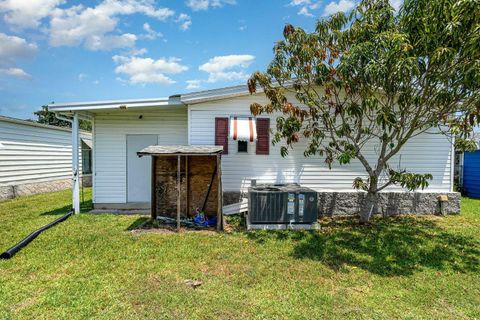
x,y
428,153
110,157
32,153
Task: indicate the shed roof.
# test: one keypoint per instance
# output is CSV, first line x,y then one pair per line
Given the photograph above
x,y
180,150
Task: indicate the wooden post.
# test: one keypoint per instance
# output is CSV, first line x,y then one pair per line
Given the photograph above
x,y
187,187
178,192
220,222
153,192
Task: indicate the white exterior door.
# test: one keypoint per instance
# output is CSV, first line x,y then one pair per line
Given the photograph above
x,y
139,170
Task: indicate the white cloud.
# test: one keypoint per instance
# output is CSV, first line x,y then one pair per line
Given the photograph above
x,y
340,6
185,21
21,14
150,33
305,12
95,27
227,68
305,6
193,84
300,2
137,52
102,42
82,76
15,72
11,49
197,5
147,70
221,63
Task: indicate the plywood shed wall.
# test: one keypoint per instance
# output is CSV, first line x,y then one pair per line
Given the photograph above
x,y
198,170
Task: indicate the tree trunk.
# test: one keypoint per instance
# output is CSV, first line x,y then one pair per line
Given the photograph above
x,y
370,202
368,207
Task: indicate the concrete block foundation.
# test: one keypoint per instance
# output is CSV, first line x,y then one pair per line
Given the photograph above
x,y
13,191
390,203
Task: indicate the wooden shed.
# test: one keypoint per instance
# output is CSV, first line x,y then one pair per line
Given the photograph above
x,y
186,179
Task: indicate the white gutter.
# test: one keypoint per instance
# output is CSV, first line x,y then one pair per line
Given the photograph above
x,y
114,104
60,117
75,160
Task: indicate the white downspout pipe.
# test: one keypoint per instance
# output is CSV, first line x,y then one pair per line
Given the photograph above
x,y
75,165
75,157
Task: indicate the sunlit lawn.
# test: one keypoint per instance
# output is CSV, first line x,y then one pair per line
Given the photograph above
x,y
92,266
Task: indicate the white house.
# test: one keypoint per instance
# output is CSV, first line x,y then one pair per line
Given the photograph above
x,y
122,128
36,158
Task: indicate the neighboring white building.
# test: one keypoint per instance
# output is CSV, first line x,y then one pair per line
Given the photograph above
x,y
122,128
37,158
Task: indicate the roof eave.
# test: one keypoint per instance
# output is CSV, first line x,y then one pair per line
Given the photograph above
x,y
174,100
117,104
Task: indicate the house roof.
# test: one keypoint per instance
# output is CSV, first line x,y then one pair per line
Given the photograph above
x,y
84,134
180,150
173,100
214,94
32,123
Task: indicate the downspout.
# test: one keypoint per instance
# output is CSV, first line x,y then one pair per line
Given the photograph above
x,y
75,165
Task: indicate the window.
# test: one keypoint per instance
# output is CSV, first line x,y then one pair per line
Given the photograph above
x,y
86,159
242,146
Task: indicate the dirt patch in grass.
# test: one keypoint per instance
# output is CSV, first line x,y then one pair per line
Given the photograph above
x,y
146,225
25,303
169,230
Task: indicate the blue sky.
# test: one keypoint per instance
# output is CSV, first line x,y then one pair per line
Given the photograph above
x,y
64,51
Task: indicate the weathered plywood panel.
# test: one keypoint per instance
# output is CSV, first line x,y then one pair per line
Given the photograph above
x,y
200,170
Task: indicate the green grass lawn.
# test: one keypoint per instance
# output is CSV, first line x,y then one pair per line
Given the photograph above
x,y
92,266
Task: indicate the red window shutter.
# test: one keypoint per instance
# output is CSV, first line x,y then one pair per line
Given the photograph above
x,y
221,133
263,136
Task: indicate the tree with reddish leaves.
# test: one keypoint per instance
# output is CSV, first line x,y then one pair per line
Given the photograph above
x,y
376,77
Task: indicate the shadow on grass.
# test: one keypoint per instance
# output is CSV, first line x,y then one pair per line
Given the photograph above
x,y
85,206
138,223
387,247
